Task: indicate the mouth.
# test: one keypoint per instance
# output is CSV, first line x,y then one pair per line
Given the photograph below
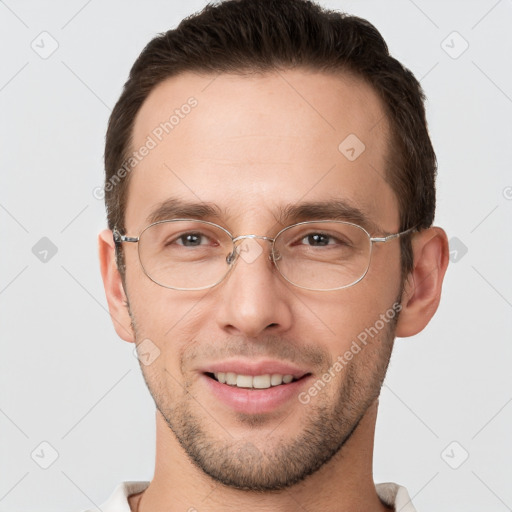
x,y
264,381
254,386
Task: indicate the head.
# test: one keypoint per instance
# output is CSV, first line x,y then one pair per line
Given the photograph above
x,y
243,110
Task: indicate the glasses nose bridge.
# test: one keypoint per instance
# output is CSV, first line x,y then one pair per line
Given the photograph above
x,y
237,239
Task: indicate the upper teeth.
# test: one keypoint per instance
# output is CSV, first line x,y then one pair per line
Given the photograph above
x,y
250,381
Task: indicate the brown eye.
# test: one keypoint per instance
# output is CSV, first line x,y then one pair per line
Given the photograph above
x,y
191,239
317,240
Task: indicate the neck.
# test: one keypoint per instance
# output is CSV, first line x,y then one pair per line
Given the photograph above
x,y
344,484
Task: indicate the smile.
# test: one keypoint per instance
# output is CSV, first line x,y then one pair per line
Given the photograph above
x,y
252,381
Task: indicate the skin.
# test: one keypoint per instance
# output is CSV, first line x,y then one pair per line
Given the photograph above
x,y
252,145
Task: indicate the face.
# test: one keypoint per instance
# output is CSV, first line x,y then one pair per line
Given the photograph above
x,y
252,148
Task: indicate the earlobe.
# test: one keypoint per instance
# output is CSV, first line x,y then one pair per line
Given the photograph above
x,y
422,289
114,290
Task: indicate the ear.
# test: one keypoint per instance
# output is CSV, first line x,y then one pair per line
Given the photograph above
x,y
422,290
114,290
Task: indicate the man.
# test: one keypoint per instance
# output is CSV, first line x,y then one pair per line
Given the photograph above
x,y
270,196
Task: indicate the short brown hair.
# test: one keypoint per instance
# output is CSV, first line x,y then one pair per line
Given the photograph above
x,y
240,36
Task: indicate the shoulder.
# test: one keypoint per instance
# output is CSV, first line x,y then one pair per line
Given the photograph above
x,y
395,496
118,500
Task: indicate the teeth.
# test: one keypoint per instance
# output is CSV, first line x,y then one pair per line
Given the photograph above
x,y
260,381
249,381
244,381
276,380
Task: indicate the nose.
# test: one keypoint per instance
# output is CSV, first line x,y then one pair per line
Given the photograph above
x,y
254,298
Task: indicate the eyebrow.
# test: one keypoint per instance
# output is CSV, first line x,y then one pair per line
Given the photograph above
x,y
339,209
174,208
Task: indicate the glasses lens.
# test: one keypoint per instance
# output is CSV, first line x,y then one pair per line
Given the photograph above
x,y
185,255
323,255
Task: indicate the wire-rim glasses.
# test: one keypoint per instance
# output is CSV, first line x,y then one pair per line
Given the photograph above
x,y
192,254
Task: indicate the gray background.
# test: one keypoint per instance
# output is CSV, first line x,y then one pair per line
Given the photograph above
x,y
66,378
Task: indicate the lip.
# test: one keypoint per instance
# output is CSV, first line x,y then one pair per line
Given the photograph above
x,y
255,401
241,367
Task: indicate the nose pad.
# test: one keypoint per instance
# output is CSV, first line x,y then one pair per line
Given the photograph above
x,y
249,250
231,257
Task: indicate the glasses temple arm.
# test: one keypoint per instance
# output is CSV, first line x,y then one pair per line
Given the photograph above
x,y
119,238
395,235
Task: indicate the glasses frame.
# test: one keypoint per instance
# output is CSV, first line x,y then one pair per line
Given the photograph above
x,y
233,256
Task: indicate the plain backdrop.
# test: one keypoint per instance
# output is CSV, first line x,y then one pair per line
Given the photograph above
x,y
72,396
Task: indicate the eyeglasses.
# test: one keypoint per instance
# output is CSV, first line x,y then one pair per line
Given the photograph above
x,y
190,254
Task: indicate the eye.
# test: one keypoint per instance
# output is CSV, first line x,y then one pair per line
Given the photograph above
x,y
193,239
320,240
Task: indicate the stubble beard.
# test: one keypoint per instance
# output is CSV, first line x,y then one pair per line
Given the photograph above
x,y
280,462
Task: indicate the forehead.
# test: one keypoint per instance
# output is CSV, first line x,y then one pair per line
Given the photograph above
x,y
254,144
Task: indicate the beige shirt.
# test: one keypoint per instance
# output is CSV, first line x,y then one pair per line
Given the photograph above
x,y
391,494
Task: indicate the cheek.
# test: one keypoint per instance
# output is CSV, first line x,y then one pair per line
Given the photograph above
x,y
171,320
157,310
344,315
166,315
339,317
